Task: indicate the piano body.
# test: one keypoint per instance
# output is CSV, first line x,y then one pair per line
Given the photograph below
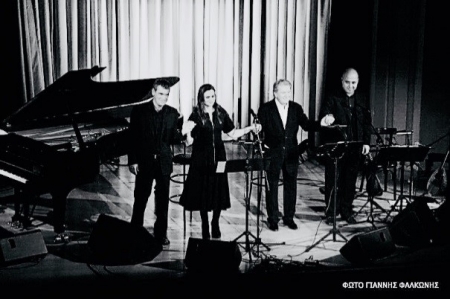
x,y
58,140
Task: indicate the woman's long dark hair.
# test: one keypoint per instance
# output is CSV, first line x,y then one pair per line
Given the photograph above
x,y
201,103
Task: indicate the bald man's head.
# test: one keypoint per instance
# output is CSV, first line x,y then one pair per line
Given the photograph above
x,y
350,80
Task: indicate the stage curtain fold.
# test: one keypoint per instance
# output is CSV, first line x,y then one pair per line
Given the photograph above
x,y
241,47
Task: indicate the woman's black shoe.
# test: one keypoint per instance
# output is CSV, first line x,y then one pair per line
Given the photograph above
x,y
205,231
215,231
205,235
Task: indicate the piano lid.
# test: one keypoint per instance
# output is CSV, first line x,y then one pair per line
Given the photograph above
x,y
76,93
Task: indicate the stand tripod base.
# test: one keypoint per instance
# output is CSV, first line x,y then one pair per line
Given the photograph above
x,y
247,242
373,204
370,219
399,200
332,231
248,245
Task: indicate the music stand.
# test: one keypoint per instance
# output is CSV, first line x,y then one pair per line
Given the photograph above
x,y
247,165
335,151
402,154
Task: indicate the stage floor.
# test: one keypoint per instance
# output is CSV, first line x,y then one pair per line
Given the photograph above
x,y
289,260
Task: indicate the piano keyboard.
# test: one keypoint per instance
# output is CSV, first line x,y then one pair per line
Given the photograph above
x,y
13,176
16,172
22,158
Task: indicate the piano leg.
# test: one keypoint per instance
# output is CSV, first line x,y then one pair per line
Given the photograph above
x,y
21,218
59,199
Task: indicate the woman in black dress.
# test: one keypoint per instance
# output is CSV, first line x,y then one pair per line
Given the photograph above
x,y
204,189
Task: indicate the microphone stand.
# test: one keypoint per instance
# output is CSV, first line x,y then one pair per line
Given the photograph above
x,y
385,166
379,142
379,139
258,141
263,173
247,233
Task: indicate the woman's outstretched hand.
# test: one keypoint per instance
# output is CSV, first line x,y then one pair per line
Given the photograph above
x,y
188,127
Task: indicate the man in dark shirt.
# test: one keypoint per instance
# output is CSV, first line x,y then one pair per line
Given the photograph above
x,y
346,109
153,129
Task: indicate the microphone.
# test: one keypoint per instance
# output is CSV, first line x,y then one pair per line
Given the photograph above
x,y
255,121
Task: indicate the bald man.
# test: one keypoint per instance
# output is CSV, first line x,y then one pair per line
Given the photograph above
x,y
348,109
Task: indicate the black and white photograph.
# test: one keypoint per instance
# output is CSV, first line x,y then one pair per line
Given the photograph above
x,y
224,148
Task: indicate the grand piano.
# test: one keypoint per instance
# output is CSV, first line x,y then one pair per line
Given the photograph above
x,y
58,140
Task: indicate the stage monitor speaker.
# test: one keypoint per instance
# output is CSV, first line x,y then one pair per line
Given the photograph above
x,y
368,247
212,255
415,226
115,241
22,247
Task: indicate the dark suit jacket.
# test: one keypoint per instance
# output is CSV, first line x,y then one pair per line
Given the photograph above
x,y
143,137
283,143
335,103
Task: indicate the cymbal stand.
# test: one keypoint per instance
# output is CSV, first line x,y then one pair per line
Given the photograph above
x,y
334,231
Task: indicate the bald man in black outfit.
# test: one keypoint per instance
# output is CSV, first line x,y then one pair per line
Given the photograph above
x,y
348,108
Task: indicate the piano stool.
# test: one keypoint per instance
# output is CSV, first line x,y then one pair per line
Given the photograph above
x,y
183,159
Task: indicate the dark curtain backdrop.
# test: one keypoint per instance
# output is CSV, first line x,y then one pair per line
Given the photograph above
x,y
400,52
435,112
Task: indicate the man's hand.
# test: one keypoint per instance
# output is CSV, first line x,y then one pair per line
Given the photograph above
x,y
256,128
187,127
365,149
327,120
134,169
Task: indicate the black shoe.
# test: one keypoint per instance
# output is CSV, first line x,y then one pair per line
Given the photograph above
x,y
215,231
351,220
61,238
205,230
272,226
164,241
291,224
206,235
